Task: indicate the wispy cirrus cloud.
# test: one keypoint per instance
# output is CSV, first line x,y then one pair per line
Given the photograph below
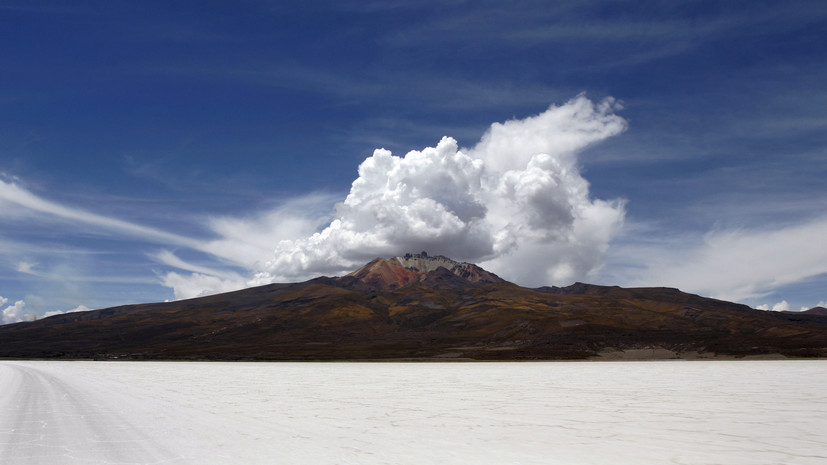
x,y
234,246
11,194
732,264
26,267
633,34
376,84
583,22
240,240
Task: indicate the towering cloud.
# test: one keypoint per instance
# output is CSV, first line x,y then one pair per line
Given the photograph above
x,y
515,202
14,313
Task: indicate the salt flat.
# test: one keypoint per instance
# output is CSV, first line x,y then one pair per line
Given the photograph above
x,y
756,412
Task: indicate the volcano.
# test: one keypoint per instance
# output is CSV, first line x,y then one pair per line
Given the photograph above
x,y
435,272
421,307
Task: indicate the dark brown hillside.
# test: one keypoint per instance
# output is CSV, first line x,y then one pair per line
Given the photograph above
x,y
422,308
816,311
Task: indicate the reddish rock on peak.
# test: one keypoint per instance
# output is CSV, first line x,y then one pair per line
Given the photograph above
x,y
436,271
385,274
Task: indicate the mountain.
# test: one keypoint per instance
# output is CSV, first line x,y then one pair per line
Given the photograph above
x,y
816,311
435,272
422,307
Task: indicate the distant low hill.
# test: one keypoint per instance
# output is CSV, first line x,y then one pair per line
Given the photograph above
x,y
422,307
816,311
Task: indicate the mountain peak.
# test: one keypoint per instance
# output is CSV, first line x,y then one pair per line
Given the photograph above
x,y
434,271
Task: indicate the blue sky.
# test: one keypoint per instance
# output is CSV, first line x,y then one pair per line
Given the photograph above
x,y
160,150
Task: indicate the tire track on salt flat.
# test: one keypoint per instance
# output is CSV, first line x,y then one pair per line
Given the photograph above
x,y
46,419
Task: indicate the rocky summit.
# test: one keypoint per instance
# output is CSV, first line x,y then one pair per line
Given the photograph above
x,y
437,272
419,307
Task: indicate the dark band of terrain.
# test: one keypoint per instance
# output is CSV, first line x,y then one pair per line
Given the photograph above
x,y
419,307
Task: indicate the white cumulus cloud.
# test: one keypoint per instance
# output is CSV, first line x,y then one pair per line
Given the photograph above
x,y
15,312
516,202
782,306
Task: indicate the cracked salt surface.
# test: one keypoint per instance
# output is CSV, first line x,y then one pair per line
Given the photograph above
x,y
751,412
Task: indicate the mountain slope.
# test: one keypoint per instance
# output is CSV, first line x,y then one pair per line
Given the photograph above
x,y
816,311
419,307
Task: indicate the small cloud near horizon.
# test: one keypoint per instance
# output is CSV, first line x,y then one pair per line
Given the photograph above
x,y
16,312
